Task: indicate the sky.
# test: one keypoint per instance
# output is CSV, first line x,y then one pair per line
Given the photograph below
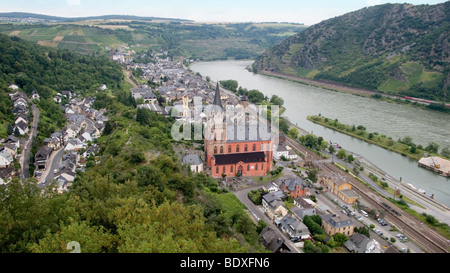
x,y
297,11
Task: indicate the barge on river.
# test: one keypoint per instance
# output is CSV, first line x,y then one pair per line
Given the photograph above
x,y
437,164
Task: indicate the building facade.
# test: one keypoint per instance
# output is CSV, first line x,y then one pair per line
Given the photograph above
x,y
236,148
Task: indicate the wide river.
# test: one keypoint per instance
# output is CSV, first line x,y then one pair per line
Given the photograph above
x,y
391,119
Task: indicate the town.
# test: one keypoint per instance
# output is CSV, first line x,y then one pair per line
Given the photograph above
x,y
306,202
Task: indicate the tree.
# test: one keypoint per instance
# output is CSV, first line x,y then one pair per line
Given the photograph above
x,y
350,158
277,100
313,175
255,96
432,147
342,154
29,213
446,152
230,85
92,239
340,239
293,133
407,140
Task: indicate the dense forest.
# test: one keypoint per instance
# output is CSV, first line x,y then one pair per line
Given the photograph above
x,y
135,196
399,49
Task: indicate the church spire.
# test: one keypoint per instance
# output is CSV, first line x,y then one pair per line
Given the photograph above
x,y
217,98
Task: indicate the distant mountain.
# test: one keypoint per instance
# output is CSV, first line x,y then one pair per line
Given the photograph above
x,y
394,48
24,15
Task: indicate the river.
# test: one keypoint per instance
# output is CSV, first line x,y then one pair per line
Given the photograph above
x,y
391,119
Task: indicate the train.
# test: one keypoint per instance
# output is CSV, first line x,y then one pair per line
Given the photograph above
x,y
423,100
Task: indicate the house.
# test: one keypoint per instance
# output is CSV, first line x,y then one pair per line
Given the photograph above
x,y
103,87
91,151
359,243
194,162
69,111
333,224
71,131
6,159
20,109
67,94
86,137
57,99
295,187
20,118
12,140
74,145
6,174
339,186
296,229
53,142
273,205
21,127
272,241
13,87
303,207
42,157
283,150
10,148
20,102
64,181
35,96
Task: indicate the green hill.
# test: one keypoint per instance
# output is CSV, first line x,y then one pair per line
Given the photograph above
x,y
205,41
49,71
399,49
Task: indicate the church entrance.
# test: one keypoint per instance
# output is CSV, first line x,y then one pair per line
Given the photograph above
x,y
240,171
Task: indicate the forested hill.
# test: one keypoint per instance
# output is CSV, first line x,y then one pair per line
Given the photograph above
x,y
394,48
48,71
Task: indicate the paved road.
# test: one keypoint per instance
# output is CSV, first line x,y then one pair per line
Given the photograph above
x,y
48,175
25,159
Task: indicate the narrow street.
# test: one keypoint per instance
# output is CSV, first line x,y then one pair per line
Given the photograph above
x,y
25,159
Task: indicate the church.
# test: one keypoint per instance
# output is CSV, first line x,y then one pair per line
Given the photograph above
x,y
237,143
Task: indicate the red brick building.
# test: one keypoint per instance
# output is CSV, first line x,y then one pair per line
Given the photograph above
x,y
295,187
237,150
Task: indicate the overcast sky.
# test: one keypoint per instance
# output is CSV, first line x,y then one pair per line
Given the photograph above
x,y
308,12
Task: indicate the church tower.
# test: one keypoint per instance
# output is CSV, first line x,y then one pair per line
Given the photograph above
x,y
216,138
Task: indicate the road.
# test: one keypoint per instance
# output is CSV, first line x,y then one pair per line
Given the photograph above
x,y
25,159
53,164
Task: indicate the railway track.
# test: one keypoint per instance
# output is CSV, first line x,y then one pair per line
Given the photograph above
x,y
427,238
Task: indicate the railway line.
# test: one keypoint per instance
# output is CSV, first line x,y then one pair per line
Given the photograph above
x,y
427,238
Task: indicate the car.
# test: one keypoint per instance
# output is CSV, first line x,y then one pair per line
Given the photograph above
x,y
318,192
55,171
359,218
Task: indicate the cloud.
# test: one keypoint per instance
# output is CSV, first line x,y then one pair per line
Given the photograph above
x,y
73,2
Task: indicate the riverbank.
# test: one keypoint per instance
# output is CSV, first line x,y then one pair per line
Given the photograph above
x,y
409,150
336,87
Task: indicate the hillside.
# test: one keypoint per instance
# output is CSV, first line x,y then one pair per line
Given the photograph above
x,y
205,41
137,197
24,15
49,71
399,49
